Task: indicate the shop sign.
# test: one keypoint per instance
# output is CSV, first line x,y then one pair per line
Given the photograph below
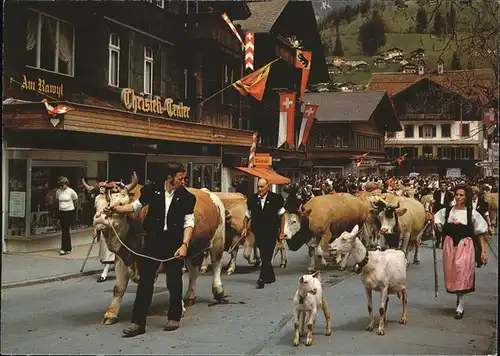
x,y
153,105
17,204
42,86
263,160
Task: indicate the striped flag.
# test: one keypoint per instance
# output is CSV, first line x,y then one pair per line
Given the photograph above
x,y
307,121
235,31
286,122
251,157
249,50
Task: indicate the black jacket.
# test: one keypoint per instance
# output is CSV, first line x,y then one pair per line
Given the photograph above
x,y
448,198
265,221
183,203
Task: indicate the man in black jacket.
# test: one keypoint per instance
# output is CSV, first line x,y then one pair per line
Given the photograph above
x,y
169,225
442,198
265,210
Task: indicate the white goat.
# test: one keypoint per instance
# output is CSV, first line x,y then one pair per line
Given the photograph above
x,y
383,271
307,300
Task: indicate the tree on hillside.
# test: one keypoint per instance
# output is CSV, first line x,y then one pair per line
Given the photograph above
x,y
372,34
455,62
451,20
439,24
338,51
421,21
365,6
349,14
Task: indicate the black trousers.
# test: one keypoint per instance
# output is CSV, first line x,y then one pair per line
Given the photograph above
x,y
66,219
266,242
164,247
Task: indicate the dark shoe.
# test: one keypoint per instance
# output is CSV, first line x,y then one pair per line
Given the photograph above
x,y
171,325
102,279
260,284
459,315
133,330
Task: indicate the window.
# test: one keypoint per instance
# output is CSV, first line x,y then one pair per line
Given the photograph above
x,y
445,130
114,60
408,131
465,130
50,43
160,3
148,70
427,131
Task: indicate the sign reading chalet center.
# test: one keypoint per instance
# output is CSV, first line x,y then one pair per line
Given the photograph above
x,y
153,105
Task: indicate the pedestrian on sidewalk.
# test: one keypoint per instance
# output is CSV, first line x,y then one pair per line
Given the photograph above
x,y
463,230
66,198
169,225
266,212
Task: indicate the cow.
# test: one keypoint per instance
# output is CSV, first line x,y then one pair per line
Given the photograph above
x,y
492,200
320,220
119,229
235,209
402,222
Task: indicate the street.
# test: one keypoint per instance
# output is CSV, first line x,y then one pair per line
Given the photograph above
x,y
65,317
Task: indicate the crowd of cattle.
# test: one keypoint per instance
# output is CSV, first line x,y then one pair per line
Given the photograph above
x,y
325,224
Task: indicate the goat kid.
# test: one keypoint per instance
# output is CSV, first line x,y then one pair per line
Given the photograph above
x,y
307,300
382,271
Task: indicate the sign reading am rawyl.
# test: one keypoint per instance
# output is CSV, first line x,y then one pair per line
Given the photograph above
x,y
42,86
153,105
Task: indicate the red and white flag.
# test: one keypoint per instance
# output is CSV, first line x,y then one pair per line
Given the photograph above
x,y
307,121
59,109
489,117
235,31
249,50
286,123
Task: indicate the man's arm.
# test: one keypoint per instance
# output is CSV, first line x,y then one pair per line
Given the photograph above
x,y
136,205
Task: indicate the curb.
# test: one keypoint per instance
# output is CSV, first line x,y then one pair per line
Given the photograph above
x,y
61,278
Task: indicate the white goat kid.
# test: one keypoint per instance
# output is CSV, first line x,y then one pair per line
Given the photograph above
x,y
383,271
307,300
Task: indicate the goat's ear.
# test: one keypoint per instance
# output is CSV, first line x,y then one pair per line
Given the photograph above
x,y
355,230
314,291
401,212
316,274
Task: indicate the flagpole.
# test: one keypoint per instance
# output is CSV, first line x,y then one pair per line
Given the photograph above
x,y
230,85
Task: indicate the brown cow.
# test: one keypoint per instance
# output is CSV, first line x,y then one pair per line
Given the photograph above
x,y
209,217
236,207
321,220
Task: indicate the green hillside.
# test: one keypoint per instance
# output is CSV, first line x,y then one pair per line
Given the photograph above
x,y
400,32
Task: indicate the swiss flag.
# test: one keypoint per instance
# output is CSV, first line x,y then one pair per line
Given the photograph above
x,y
489,117
307,121
286,123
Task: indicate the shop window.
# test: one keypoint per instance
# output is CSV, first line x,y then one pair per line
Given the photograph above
x,y
44,210
445,130
408,131
114,60
50,43
17,197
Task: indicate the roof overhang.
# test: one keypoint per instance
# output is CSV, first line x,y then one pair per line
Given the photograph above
x,y
271,176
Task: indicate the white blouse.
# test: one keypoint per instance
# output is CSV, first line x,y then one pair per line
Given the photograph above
x,y
459,216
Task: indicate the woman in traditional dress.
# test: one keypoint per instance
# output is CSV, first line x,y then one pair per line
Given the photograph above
x,y
463,230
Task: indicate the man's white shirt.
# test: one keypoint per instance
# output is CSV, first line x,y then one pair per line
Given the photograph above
x,y
262,204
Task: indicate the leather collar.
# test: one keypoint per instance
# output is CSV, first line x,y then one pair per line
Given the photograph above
x,y
359,266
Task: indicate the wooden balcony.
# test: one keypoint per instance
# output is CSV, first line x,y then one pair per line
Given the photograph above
x,y
212,27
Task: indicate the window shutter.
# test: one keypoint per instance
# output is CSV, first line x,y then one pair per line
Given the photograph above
x,y
420,131
434,131
137,65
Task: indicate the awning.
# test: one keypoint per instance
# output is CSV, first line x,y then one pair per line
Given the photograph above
x,y
271,176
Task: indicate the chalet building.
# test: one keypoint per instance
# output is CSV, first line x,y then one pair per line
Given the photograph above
x,y
348,125
442,119
276,25
134,75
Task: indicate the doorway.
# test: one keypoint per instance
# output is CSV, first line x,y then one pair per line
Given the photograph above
x,y
204,176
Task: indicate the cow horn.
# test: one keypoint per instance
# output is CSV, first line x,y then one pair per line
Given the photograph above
x,y
133,184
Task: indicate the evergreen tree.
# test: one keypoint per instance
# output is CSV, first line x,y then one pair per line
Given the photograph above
x,y
421,21
455,62
372,34
451,20
338,51
365,7
439,24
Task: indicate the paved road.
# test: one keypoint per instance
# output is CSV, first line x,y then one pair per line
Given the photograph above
x,y
64,317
